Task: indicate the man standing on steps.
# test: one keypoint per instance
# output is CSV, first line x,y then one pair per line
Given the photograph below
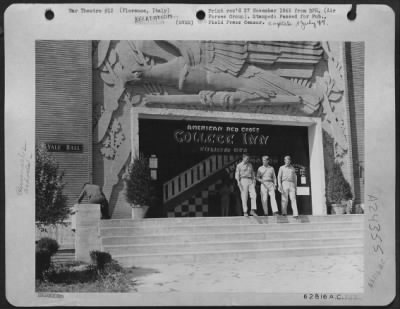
x,y
287,185
266,176
245,178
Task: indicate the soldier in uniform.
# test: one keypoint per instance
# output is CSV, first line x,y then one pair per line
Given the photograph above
x,y
245,178
266,176
287,185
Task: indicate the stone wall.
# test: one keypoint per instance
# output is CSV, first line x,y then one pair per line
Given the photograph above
x,y
63,107
355,75
60,232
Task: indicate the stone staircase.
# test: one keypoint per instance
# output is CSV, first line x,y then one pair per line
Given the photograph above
x,y
64,255
203,239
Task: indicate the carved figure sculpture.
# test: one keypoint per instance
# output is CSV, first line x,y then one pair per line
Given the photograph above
x,y
207,67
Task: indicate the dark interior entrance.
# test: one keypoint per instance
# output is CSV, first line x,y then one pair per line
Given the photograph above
x,y
179,145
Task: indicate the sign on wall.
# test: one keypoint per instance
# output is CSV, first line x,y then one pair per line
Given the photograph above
x,y
194,137
221,138
64,147
303,190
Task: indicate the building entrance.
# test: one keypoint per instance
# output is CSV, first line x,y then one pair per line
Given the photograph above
x,y
194,158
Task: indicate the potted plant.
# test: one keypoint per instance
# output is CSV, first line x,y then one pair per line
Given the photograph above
x,y
338,190
139,188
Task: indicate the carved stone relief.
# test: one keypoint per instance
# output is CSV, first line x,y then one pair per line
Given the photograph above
x,y
332,84
113,140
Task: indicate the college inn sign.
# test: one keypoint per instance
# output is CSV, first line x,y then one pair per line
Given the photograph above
x,y
274,82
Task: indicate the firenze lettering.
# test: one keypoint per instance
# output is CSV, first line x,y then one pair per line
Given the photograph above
x,y
218,135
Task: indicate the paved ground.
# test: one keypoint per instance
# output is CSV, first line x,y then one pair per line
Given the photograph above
x,y
334,274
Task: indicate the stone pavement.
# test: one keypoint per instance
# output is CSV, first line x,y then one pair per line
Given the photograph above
x,y
309,274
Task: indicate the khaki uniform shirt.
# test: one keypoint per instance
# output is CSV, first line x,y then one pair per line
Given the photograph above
x,y
266,174
244,171
287,173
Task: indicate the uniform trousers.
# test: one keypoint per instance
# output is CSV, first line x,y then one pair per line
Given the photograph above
x,y
289,190
268,188
248,187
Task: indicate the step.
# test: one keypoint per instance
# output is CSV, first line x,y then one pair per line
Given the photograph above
x,y
63,256
231,245
212,256
226,220
223,228
204,237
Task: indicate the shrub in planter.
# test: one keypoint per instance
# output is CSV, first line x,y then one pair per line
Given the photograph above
x,y
48,244
43,261
139,187
100,259
338,189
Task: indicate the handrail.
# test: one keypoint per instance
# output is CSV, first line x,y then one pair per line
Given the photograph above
x,y
194,175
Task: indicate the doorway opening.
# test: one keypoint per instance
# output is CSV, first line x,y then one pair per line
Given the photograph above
x,y
197,151
195,158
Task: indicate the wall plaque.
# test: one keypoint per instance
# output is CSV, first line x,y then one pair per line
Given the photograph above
x,y
64,147
303,190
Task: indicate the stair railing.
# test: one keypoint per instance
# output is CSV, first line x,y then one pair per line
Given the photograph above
x,y
196,174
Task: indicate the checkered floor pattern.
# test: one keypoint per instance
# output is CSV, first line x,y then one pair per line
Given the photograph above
x,y
196,206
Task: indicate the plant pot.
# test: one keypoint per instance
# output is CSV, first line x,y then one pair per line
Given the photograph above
x,y
339,209
139,212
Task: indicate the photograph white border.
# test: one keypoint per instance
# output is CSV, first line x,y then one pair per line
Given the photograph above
x,y
25,23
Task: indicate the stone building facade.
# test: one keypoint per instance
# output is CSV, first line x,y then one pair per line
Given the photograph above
x,y
98,95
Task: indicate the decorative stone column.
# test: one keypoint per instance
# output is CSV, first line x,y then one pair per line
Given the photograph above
x,y
317,170
87,236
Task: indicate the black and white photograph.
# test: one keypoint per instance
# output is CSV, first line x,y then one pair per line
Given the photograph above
x,y
200,166
200,155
